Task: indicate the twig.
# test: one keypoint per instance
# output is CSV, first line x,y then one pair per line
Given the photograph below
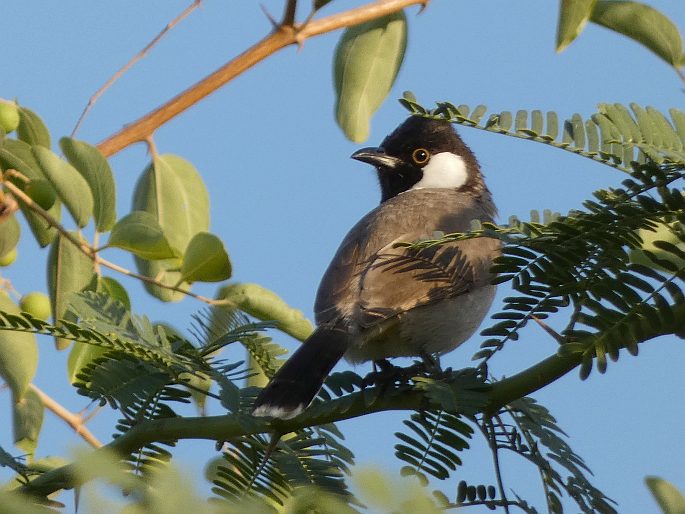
x,y
140,55
488,429
289,15
556,335
73,420
137,131
89,252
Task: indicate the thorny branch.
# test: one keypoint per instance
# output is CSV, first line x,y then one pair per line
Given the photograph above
x,y
281,37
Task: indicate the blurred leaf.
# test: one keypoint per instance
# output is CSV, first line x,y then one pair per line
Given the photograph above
x,y
265,305
10,231
172,190
667,495
18,354
367,60
31,128
140,234
93,166
205,260
642,23
663,232
27,416
17,155
69,271
70,186
573,15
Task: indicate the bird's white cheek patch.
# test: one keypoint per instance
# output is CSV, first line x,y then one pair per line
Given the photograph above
x,y
445,169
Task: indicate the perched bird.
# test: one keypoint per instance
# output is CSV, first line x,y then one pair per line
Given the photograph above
x,y
377,300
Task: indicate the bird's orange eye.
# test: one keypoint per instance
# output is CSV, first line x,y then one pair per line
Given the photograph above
x,y
420,156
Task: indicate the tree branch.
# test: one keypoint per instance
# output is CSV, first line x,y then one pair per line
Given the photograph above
x,y
230,426
90,252
75,421
140,55
139,130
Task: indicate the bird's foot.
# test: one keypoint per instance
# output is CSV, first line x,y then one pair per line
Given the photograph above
x,y
386,373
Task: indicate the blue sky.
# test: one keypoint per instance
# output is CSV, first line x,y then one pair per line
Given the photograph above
x,y
284,192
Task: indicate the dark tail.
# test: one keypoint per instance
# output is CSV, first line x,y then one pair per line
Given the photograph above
x,y
294,386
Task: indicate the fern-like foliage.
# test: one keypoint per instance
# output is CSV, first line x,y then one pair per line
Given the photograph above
x,y
581,263
308,457
536,436
614,135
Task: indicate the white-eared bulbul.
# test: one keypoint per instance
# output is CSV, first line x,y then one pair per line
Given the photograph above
x,y
377,300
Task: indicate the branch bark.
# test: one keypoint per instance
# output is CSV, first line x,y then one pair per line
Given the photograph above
x,y
284,36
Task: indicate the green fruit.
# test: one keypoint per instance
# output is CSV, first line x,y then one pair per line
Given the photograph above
x,y
36,304
9,116
8,258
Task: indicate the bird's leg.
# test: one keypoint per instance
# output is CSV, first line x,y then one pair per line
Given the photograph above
x,y
384,374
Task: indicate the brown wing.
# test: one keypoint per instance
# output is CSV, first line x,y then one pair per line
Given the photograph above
x,y
371,280
401,279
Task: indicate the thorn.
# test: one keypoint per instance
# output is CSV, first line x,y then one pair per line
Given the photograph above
x,y
423,7
556,335
273,21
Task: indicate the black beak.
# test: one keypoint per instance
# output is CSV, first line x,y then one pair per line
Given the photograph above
x,y
376,157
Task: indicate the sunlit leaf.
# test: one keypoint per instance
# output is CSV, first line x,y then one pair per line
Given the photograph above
x,y
172,190
265,305
367,60
93,166
27,417
140,234
642,23
18,354
31,128
70,186
573,15
205,260
10,230
17,155
69,271
669,498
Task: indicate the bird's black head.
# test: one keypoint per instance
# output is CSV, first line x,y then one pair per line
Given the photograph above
x,y
423,153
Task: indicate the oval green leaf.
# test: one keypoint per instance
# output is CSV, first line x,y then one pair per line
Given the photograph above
x,y
205,260
31,128
18,354
140,234
643,24
265,305
27,417
17,155
10,231
367,60
173,191
573,16
70,186
669,498
69,271
93,166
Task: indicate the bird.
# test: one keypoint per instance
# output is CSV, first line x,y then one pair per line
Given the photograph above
x,y
379,299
